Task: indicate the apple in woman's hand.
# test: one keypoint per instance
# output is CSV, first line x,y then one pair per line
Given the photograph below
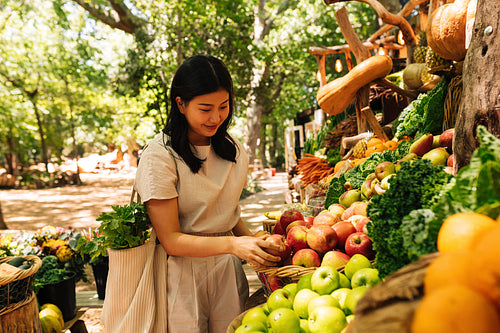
x,y
280,241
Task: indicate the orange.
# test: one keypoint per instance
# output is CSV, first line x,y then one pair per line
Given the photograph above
x,y
448,268
404,138
459,231
487,265
455,309
392,145
375,149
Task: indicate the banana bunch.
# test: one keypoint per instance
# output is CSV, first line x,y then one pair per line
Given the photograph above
x,y
273,215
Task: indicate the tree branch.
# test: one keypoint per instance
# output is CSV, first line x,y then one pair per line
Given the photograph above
x,y
121,18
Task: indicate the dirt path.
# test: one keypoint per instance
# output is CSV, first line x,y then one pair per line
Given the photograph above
x,y
69,206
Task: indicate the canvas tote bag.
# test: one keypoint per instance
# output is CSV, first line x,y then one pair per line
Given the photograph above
x,y
136,289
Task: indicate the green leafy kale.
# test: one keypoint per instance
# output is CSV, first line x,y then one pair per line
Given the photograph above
x,y
335,190
424,114
420,229
416,185
49,272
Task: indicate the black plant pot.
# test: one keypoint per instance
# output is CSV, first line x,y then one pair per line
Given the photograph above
x,y
61,294
101,276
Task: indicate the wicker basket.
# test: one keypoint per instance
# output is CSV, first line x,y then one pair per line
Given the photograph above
x,y
268,225
18,287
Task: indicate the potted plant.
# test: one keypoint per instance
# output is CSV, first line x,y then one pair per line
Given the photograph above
x,y
61,268
91,250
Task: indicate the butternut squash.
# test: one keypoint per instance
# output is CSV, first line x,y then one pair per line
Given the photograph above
x,y
335,96
446,33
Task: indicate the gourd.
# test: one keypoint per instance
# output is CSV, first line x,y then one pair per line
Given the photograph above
x,y
446,33
416,77
335,96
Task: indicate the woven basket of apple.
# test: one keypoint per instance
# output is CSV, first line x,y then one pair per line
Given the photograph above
x,y
320,301
330,238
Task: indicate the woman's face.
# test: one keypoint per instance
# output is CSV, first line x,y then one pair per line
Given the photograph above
x,y
204,114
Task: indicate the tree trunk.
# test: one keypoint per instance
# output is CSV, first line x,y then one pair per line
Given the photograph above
x,y
43,144
481,84
3,226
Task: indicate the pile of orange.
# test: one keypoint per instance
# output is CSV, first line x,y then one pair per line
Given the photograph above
x,y
462,285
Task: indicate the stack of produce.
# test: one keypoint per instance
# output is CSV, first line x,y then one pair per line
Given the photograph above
x,y
321,301
51,318
313,168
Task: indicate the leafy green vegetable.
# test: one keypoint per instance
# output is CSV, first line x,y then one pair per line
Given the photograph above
x,y
416,185
420,229
424,114
49,272
125,227
335,190
477,186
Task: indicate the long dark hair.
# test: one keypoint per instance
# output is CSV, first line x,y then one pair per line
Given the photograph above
x,y
199,75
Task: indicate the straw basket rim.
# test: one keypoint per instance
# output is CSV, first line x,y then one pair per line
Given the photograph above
x,y
37,263
291,271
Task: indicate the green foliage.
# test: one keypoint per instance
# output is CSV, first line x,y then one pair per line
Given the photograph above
x,y
50,272
125,227
424,114
416,186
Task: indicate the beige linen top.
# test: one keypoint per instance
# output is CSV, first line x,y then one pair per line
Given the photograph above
x,y
208,201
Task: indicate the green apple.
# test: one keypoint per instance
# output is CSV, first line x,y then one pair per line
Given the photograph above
x,y
292,288
304,282
283,320
353,297
304,326
301,302
325,279
344,281
354,264
266,309
323,300
341,294
251,328
365,277
280,298
327,319
255,315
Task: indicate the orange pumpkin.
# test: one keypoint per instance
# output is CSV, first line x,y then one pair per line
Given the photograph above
x,y
375,149
392,145
374,141
446,32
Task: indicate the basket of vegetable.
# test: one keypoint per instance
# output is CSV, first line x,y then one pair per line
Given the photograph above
x,y
17,275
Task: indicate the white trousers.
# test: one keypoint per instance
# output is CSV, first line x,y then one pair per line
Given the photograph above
x,y
205,294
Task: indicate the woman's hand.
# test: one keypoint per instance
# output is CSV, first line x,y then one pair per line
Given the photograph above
x,y
255,251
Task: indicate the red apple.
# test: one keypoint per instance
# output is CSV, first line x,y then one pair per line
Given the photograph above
x,y
450,160
274,282
326,218
357,208
336,209
288,216
294,224
359,243
306,258
359,221
343,230
297,238
278,230
335,259
279,240
321,238
309,221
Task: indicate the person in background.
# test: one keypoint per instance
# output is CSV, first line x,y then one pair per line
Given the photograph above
x,y
190,177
